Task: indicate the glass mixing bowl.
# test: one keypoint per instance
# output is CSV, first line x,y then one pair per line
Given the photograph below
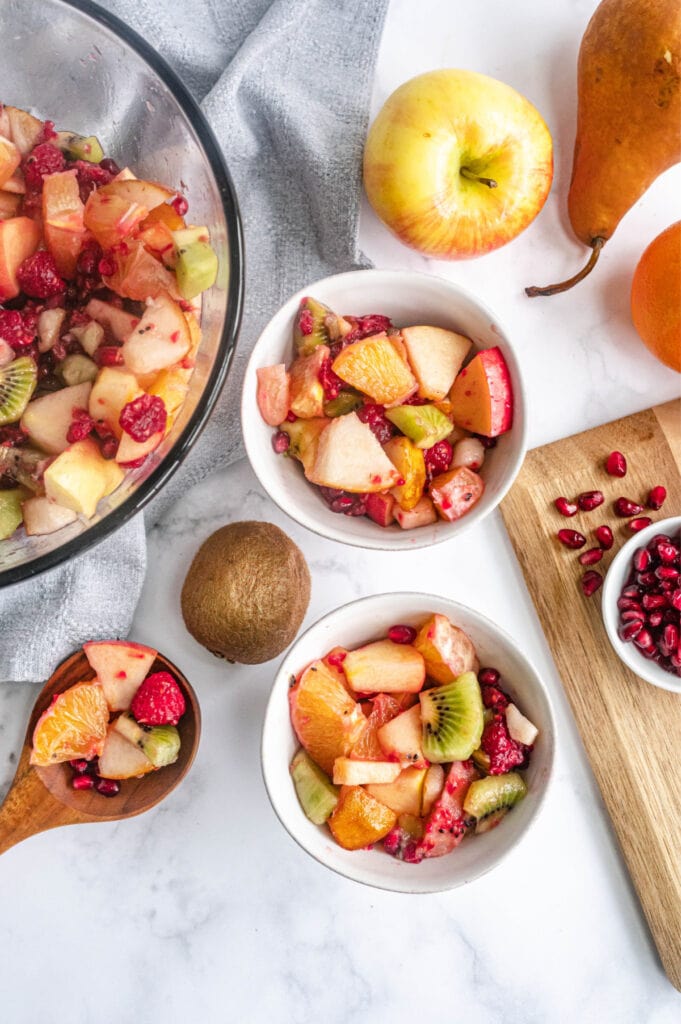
x,y
84,69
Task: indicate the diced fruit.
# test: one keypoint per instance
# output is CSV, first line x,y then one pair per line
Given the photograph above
x,y
346,401
491,797
172,386
422,514
121,759
41,515
63,224
316,324
138,275
520,728
455,492
73,726
19,239
482,395
78,147
359,820
452,717
327,721
432,788
50,323
273,393
380,508
196,269
113,389
350,458
375,367
160,339
446,825
386,667
409,462
160,744
17,383
10,510
317,794
401,739
111,218
158,701
448,651
133,190
383,709
80,477
352,772
130,451
119,323
9,205
10,158
425,425
77,369
25,129
306,394
404,795
120,667
304,437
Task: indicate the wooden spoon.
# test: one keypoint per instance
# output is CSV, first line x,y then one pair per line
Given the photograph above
x,y
43,798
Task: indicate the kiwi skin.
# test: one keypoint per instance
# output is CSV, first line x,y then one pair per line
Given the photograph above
x,y
246,592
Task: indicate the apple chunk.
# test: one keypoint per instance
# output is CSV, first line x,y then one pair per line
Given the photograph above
x,y
385,667
273,393
448,651
10,158
121,667
482,395
435,356
350,772
350,458
404,795
455,492
160,339
80,477
46,420
121,759
400,739
41,515
112,390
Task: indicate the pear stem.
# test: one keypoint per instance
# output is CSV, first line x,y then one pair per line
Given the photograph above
x,y
466,172
564,286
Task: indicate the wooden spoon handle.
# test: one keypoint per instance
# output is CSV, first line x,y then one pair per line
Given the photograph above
x,y
29,807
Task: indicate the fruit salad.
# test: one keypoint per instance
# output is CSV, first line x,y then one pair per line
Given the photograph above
x,y
406,740
120,725
390,423
100,284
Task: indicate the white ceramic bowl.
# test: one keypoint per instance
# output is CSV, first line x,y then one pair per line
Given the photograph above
x,y
407,298
615,580
369,619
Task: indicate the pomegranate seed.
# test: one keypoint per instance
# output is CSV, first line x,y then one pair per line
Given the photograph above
x,y
402,634
488,677
633,592
337,658
180,205
656,498
80,765
641,560
671,637
626,603
83,782
632,614
651,601
591,556
655,619
624,507
644,639
590,500
616,464
666,552
675,599
108,787
342,504
281,442
667,572
639,524
630,630
646,579
591,581
604,537
572,539
565,507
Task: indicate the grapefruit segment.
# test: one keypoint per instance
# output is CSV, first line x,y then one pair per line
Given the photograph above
x,y
326,720
375,367
367,748
73,726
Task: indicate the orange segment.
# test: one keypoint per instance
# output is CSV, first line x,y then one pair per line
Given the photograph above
x,y
375,366
367,747
327,721
73,726
410,463
359,820
138,275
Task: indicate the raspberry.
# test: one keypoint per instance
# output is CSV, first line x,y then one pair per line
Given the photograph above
x,y
42,160
143,417
48,131
374,416
81,427
503,752
159,701
17,328
329,380
438,458
493,697
90,176
39,277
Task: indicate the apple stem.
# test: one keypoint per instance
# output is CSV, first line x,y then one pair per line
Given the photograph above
x,y
471,176
564,286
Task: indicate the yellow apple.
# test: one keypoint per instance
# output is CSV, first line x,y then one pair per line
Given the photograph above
x,y
457,164
80,477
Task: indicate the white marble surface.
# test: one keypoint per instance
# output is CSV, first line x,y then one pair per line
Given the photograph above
x,y
205,910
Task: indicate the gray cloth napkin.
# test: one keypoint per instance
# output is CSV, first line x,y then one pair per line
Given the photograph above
x,y
285,85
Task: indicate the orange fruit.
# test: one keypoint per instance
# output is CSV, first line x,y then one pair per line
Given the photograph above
x,y
359,820
376,367
367,747
656,297
410,463
327,721
73,726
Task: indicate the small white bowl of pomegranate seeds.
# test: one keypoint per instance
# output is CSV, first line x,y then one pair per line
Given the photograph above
x,y
642,604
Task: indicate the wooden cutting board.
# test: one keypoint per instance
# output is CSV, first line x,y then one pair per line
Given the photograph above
x,y
631,730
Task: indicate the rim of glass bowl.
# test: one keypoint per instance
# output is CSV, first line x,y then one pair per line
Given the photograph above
x,y
156,480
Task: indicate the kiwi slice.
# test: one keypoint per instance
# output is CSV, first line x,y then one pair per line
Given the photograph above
x,y
425,425
25,465
346,401
17,384
481,760
11,516
487,800
452,717
317,794
80,147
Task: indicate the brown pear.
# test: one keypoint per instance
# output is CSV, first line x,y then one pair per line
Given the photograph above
x,y
628,116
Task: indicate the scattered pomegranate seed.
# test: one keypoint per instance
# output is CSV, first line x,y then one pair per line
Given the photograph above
x,y
624,507
590,500
83,782
108,787
180,205
656,498
591,556
488,677
337,658
591,581
616,464
572,539
604,537
565,507
639,524
402,634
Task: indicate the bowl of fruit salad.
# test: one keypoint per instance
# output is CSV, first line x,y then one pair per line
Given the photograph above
x,y
407,743
120,279
384,409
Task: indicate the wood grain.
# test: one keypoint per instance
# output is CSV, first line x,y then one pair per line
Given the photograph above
x,y
43,798
631,730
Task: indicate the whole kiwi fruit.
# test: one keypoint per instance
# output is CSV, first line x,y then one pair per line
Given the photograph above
x,y
246,592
